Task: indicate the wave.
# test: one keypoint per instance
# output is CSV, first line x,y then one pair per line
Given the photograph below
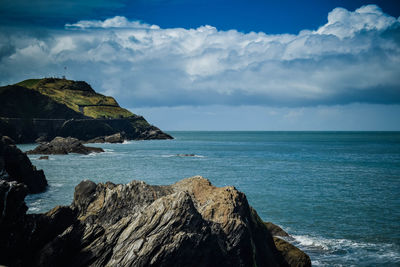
x,y
337,250
183,156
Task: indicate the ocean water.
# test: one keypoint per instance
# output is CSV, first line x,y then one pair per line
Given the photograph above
x,y
336,193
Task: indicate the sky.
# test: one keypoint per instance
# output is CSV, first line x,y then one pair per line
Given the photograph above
x,y
218,65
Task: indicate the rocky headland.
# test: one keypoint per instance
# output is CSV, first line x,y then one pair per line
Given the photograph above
x,y
50,107
63,146
189,223
16,166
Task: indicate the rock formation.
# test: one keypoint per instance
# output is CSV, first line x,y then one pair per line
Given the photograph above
x,y
190,223
62,146
114,138
16,166
292,255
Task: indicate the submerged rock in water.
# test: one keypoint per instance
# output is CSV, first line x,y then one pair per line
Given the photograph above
x,y
190,223
62,146
16,166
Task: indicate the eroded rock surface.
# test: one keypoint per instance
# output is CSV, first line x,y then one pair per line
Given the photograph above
x,y
190,223
62,146
16,166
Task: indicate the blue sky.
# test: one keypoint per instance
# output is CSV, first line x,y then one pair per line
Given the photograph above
x,y
218,65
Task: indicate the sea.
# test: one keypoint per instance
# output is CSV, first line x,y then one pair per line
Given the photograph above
x,y
336,193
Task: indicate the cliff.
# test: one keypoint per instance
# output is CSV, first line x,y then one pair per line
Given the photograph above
x,y
46,108
190,223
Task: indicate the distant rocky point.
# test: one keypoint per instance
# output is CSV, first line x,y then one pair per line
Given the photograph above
x,y
63,146
50,107
189,223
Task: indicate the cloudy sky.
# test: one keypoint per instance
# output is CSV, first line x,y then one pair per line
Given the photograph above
x,y
218,65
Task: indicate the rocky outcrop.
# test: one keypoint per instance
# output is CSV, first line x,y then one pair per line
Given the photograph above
x,y
292,255
134,127
63,146
190,223
16,166
114,138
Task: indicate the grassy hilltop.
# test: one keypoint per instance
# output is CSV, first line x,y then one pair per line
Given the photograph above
x,y
78,96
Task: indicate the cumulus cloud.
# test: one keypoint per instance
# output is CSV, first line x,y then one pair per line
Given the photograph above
x,y
354,57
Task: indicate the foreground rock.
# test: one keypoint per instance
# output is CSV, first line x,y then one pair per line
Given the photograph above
x,y
62,146
190,223
114,138
16,166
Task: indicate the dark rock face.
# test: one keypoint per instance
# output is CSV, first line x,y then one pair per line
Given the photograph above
x,y
22,235
62,146
13,222
27,130
190,223
275,230
114,138
293,256
16,166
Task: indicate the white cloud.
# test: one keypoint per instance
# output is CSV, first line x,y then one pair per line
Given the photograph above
x,y
352,58
115,22
343,23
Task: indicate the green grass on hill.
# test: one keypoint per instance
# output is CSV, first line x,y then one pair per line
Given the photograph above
x,y
76,94
29,83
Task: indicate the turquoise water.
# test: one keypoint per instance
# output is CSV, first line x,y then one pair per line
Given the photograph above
x,y
336,193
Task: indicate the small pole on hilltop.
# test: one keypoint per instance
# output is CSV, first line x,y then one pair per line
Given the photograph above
x,y
65,72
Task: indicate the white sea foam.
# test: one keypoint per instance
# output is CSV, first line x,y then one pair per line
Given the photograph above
x,y
183,156
351,249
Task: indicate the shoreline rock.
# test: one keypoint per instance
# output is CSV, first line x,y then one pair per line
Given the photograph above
x,y
63,146
16,166
189,223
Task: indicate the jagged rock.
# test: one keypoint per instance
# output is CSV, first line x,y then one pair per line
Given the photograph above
x,y
293,256
16,166
190,223
275,230
62,146
114,138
